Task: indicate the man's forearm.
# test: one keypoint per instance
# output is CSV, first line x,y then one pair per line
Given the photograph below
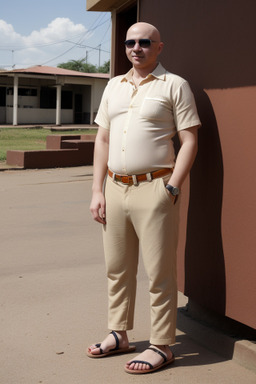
x,y
98,204
100,162
185,158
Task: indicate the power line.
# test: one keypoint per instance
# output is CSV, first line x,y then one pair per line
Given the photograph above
x,y
82,37
87,46
76,44
20,48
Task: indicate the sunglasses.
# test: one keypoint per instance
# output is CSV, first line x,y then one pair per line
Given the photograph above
x,y
143,43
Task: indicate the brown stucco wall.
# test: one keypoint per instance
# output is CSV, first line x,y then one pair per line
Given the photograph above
x,y
212,45
236,116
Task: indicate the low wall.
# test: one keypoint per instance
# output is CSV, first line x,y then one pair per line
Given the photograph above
x,y
39,116
62,151
45,159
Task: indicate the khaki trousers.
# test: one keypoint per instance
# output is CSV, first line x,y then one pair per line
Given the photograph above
x,y
141,215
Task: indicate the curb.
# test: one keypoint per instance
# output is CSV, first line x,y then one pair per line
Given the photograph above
x,y
243,352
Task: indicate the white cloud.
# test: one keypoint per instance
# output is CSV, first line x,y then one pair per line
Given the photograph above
x,y
39,46
8,36
58,29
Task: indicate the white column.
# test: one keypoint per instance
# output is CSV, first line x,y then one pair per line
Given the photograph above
x,y
15,100
58,105
92,104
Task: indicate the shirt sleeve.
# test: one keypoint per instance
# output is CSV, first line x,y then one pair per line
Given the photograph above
x,y
185,111
102,117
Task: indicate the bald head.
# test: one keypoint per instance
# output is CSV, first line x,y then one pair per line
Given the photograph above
x,y
146,30
143,58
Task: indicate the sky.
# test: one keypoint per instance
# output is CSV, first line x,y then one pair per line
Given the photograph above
x,y
50,32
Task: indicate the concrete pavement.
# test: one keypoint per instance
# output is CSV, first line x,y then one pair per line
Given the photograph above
x,y
53,299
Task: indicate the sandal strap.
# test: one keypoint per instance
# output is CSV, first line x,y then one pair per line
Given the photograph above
x,y
113,349
116,339
141,362
98,346
159,353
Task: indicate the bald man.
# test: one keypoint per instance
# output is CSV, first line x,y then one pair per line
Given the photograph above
x,y
137,203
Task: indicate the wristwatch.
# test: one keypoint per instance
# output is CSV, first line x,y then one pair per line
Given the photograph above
x,y
173,190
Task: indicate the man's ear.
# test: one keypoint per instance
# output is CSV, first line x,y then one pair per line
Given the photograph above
x,y
160,47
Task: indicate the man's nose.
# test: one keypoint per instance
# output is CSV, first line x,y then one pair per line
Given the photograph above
x,y
137,46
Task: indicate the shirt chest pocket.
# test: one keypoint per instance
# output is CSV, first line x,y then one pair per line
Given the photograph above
x,y
156,108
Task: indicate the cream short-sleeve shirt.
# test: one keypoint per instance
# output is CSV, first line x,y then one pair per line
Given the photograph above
x,y
143,120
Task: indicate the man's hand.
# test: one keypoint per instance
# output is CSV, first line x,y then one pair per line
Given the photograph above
x,y
98,207
173,198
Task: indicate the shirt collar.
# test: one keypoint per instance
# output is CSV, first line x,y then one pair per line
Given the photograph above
x,y
159,73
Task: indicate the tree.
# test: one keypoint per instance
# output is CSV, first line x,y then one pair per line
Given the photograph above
x,y
82,66
105,68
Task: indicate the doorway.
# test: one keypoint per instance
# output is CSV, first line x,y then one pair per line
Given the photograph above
x,y
78,108
124,19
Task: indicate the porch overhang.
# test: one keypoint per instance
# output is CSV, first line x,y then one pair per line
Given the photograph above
x,y
104,5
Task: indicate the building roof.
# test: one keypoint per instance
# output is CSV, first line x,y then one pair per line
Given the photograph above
x,y
105,5
45,70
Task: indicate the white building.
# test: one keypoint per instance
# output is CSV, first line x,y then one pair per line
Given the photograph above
x,y
49,95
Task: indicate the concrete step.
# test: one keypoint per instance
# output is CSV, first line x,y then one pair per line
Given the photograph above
x,y
61,151
48,158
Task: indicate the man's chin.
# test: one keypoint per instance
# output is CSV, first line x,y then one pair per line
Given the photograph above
x,y
138,63
137,59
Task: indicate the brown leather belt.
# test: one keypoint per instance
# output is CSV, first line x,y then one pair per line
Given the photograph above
x,y
136,179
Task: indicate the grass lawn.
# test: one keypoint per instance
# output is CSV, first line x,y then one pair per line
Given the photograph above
x,y
32,138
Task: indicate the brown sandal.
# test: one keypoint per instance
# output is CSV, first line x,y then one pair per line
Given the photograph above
x,y
151,369
113,351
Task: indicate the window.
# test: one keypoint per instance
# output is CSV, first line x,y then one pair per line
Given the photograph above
x,y
2,96
48,98
23,91
66,100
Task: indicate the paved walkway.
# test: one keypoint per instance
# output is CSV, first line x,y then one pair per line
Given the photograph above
x,y
53,299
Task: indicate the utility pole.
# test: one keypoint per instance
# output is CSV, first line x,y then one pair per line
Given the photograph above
x,y
99,53
13,65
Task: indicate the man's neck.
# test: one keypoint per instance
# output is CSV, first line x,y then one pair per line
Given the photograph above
x,y
140,73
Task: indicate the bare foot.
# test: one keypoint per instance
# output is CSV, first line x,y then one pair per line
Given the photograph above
x,y
110,342
151,357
